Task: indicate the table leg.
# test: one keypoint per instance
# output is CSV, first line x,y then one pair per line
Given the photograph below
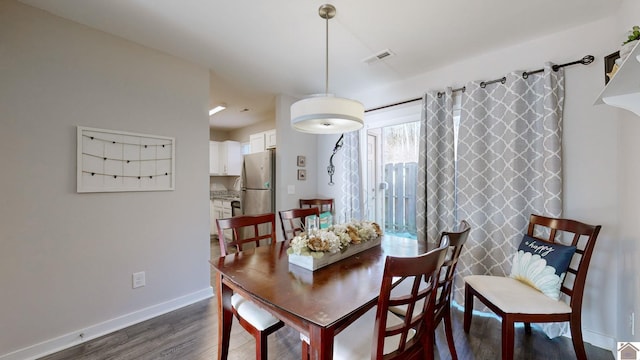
x,y
321,343
225,317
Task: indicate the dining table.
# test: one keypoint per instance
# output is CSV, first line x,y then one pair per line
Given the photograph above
x,y
318,304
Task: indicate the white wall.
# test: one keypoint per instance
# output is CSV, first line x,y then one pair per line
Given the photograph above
x,y
66,259
243,134
629,211
291,144
589,144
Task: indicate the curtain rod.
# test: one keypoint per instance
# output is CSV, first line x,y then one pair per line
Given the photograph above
x,y
586,60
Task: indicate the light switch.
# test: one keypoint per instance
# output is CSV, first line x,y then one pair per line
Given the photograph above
x,y
291,189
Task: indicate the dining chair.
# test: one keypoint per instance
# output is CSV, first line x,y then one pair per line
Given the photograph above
x,y
293,221
247,230
392,337
442,306
322,204
514,301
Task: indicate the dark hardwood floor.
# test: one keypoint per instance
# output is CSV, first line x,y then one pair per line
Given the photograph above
x,y
190,333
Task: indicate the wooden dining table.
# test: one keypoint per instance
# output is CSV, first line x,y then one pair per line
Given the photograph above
x,y
318,304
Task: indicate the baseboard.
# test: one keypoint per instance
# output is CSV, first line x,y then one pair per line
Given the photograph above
x,y
599,340
94,331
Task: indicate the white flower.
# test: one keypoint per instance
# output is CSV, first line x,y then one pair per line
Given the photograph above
x,y
333,239
534,271
299,243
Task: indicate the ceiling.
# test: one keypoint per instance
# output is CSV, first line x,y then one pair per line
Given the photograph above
x,y
258,49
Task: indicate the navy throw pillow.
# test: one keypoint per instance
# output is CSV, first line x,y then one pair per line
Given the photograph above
x,y
542,265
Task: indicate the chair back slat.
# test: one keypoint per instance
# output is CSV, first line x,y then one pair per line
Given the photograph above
x,y
416,331
292,221
580,262
322,204
456,240
267,222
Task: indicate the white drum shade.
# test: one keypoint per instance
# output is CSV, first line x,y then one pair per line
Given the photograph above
x,y
326,114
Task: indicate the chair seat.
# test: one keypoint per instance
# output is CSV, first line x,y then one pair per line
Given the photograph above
x,y
259,318
354,342
514,297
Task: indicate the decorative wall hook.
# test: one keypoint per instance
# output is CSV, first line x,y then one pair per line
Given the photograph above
x,y
331,169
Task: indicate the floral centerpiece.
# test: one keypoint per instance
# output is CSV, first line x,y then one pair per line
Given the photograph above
x,y
321,247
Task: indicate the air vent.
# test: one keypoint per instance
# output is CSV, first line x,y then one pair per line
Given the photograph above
x,y
384,54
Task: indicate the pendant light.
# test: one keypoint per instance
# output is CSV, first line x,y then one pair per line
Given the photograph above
x,y
326,113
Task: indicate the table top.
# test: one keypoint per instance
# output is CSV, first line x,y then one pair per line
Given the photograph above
x,y
322,297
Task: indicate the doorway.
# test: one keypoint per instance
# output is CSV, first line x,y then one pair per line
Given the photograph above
x,y
391,175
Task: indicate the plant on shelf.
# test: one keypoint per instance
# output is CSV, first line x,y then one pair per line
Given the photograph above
x,y
633,35
334,239
627,46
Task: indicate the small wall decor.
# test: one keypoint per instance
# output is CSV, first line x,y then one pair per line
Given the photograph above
x,y
302,174
610,66
109,161
302,161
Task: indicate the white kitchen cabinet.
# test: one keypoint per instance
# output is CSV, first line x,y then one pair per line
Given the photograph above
x,y
270,139
215,209
220,209
231,158
214,157
225,158
257,142
262,141
227,213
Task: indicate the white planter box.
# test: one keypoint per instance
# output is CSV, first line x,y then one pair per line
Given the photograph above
x,y
311,263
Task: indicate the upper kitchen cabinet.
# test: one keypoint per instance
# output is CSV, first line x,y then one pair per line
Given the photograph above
x,y
214,158
270,139
225,158
256,142
262,141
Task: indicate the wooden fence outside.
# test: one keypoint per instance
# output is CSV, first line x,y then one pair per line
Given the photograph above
x,y
400,197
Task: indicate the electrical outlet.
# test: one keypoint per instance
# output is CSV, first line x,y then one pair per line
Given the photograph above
x,y
291,189
138,279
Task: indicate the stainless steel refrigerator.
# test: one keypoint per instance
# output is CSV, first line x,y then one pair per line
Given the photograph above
x,y
258,183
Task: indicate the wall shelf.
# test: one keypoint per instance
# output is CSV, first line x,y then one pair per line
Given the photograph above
x,y
623,90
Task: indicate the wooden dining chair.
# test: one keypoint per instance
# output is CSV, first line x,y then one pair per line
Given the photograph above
x,y
515,301
442,307
293,221
322,204
392,337
256,321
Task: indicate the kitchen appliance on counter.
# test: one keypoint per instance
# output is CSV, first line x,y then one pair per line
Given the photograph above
x,y
258,183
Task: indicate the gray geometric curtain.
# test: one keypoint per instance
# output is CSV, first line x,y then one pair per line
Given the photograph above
x,y
351,194
509,166
435,195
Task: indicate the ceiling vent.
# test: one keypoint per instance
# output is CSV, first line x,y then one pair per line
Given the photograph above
x,y
384,54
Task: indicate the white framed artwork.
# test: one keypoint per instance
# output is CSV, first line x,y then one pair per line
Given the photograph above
x,y
110,161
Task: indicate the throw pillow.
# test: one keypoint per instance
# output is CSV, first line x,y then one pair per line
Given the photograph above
x,y
542,265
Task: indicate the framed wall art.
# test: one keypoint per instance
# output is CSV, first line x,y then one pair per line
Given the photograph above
x,y
110,161
302,174
302,161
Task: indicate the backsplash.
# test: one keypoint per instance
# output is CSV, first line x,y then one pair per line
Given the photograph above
x,y
224,194
223,187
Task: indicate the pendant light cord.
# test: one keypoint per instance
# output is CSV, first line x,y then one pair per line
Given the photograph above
x,y
326,68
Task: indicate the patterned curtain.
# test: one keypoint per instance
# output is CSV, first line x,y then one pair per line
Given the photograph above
x,y
509,166
351,194
435,196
